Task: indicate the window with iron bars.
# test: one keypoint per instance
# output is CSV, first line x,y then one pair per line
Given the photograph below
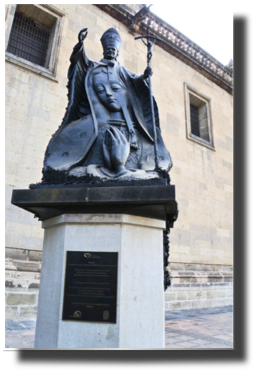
x,y
29,39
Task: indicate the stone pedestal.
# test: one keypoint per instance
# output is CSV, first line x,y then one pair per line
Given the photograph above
x,y
140,291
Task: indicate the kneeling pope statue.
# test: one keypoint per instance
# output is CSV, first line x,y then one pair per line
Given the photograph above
x,y
107,131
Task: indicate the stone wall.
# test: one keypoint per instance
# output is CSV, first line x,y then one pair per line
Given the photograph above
x,y
196,286
35,106
193,286
22,276
188,296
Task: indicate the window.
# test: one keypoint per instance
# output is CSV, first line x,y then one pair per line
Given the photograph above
x,y
29,39
198,117
33,35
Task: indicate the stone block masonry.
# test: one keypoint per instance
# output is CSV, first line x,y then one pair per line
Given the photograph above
x,y
198,288
189,296
22,278
193,286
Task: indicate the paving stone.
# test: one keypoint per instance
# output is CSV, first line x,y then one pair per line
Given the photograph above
x,y
194,329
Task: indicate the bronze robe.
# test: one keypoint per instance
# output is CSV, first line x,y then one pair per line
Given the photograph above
x,y
77,142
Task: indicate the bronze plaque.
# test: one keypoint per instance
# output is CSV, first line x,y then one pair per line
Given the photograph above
x,y
90,292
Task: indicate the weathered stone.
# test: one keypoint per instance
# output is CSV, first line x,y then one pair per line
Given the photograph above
x,y
34,255
9,284
174,305
26,266
16,253
198,267
176,266
211,294
181,296
221,294
28,312
196,304
215,278
169,296
11,312
197,295
228,279
33,286
186,304
21,299
220,302
206,303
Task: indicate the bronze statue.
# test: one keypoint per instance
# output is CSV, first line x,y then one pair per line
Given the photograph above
x,y
107,131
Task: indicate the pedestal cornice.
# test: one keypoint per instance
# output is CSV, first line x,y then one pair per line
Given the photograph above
x,y
157,202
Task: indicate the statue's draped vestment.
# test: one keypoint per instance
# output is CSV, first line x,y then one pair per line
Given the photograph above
x,y
78,141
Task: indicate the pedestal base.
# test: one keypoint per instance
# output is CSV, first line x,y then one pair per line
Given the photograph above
x,y
138,242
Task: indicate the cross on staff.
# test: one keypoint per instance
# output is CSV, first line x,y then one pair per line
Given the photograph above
x,y
149,41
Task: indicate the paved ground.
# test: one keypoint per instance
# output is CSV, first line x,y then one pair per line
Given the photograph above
x,y
184,329
199,328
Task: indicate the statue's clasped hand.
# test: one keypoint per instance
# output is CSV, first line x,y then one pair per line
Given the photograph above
x,y
116,150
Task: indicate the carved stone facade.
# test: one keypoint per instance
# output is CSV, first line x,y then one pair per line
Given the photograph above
x,y
201,243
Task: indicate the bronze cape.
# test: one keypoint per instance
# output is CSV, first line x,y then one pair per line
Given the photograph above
x,y
77,142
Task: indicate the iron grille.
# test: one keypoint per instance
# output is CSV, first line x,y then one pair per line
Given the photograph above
x,y
195,130
29,39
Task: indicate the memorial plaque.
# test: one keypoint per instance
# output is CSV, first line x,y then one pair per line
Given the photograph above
x,y
90,292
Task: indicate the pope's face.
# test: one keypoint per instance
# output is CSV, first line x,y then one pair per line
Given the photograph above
x,y
109,92
111,53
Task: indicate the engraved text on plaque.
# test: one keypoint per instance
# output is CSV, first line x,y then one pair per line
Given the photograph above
x,y
90,291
